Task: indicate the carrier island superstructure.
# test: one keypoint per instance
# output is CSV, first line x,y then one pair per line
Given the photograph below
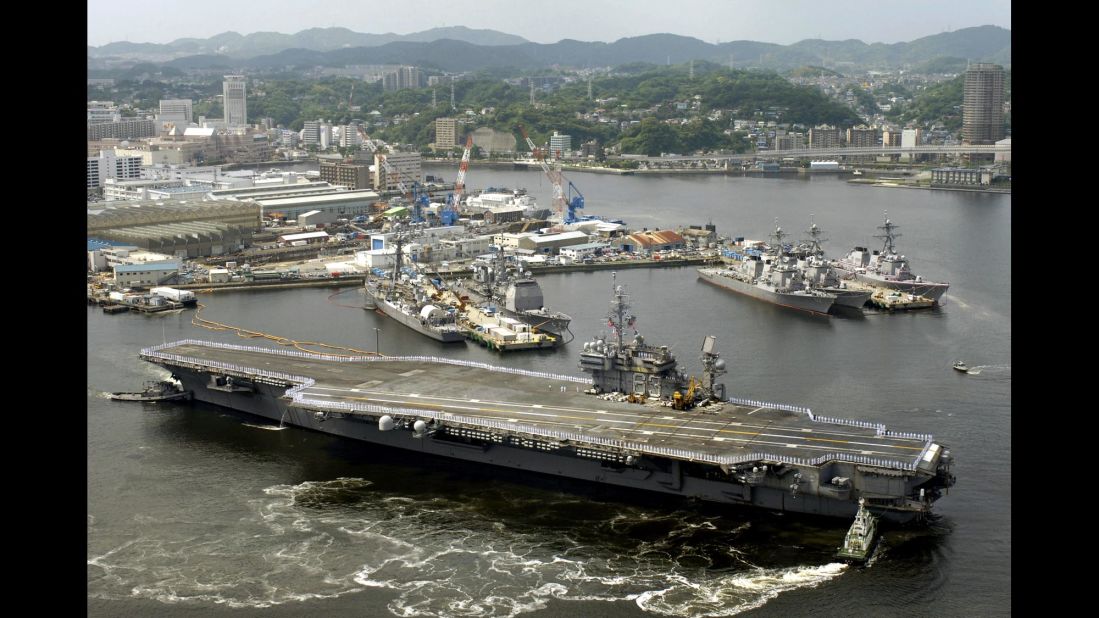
x,y
636,420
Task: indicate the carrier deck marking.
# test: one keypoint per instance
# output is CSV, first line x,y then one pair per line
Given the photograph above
x,y
542,402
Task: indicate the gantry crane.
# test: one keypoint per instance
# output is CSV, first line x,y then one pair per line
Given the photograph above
x,y
566,207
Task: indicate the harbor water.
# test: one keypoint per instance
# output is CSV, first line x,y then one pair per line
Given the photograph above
x,y
198,510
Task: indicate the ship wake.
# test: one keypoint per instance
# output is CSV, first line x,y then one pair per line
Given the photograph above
x,y
492,556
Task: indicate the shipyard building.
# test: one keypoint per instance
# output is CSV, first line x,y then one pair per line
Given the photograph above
x,y
182,228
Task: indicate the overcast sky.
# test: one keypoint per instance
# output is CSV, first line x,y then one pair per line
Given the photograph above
x,y
541,21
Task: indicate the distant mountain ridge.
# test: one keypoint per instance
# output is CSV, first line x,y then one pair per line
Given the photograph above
x,y
240,46
442,49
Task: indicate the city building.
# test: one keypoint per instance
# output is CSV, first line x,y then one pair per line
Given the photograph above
x,y
127,128
349,136
405,167
349,174
891,138
960,177
177,112
103,111
862,136
445,133
404,77
560,145
242,148
110,165
983,104
824,136
790,141
311,133
235,100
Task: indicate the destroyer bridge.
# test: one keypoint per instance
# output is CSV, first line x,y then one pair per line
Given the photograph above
x,y
733,451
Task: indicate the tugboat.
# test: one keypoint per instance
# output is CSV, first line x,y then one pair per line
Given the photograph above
x,y
961,366
164,390
861,537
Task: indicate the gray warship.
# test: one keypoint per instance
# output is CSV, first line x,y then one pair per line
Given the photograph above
x,y
772,278
635,420
820,275
413,303
888,269
503,285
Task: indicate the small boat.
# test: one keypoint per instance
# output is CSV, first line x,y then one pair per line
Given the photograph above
x,y
164,390
961,366
861,537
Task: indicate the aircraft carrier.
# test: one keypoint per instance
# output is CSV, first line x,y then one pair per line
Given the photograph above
x,y
635,421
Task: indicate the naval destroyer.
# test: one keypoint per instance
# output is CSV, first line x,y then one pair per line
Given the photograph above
x,y
888,269
820,275
774,280
635,420
413,303
504,286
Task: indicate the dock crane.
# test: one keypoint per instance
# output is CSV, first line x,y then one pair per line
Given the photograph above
x,y
564,206
416,195
449,213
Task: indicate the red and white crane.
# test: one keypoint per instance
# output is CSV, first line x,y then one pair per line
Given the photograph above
x,y
563,206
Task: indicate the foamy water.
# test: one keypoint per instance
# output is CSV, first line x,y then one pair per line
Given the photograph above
x,y
442,558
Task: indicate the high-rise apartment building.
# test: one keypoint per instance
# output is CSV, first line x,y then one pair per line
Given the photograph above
x,y
862,136
824,136
983,105
445,130
235,100
404,77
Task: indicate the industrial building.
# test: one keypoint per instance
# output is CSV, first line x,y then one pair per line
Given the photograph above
x,y
652,240
147,274
343,203
545,244
183,228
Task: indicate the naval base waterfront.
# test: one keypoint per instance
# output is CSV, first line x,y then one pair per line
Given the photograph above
x,y
195,508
